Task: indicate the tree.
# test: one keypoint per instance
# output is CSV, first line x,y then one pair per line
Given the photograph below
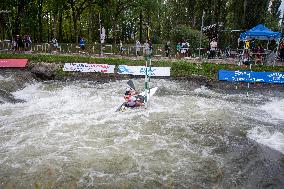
x,y
131,19
273,17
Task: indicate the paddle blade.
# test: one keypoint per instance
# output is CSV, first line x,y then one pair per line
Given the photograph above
x,y
120,107
131,84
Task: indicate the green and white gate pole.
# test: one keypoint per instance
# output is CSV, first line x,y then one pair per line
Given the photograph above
x,y
147,79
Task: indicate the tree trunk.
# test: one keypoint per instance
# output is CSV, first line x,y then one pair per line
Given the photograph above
x,y
74,17
54,31
244,13
18,21
60,31
40,30
75,29
140,26
91,18
114,31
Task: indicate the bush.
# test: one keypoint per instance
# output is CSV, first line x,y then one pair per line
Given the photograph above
x,y
185,33
178,68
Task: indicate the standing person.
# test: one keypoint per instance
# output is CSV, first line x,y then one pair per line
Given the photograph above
x,y
14,45
138,45
167,49
19,42
246,57
282,51
252,44
259,54
150,47
82,43
54,43
146,47
178,48
121,47
27,42
247,44
187,49
213,48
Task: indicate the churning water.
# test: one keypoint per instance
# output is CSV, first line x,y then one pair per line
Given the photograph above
x,y
68,135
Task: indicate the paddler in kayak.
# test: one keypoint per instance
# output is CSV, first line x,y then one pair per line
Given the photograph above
x,y
132,99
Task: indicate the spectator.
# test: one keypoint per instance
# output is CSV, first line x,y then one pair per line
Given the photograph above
x,y
150,47
178,48
185,48
54,43
19,43
252,44
246,57
167,49
282,51
121,49
27,42
14,45
259,54
82,43
247,45
138,45
213,48
147,48
228,51
188,49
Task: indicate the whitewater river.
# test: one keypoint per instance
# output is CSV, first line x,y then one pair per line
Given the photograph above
x,y
68,135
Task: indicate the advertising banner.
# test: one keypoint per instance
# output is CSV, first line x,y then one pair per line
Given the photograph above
x,y
13,63
85,67
250,76
141,70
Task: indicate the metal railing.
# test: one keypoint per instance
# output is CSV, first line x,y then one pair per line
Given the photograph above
x,y
234,55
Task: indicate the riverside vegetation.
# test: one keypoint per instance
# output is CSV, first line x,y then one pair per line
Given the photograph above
x,y
179,68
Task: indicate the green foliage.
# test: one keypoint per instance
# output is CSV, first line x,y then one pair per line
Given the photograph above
x,y
128,20
185,33
178,68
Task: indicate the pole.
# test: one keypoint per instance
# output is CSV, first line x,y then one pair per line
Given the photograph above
x,y
146,84
101,45
203,14
282,23
149,76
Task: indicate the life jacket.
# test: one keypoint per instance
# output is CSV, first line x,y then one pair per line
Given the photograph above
x,y
127,97
130,100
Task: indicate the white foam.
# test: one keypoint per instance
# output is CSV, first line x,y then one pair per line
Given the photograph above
x,y
275,109
77,123
203,90
273,139
2,78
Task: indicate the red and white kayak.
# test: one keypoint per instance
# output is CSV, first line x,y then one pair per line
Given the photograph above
x,y
123,107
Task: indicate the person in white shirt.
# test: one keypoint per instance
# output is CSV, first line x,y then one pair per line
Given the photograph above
x,y
138,45
213,48
131,98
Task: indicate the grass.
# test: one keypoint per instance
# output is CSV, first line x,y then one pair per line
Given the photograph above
x,y
179,68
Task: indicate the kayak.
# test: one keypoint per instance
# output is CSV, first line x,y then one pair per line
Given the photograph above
x,y
123,107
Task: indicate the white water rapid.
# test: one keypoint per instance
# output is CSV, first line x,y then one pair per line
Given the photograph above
x,y
67,134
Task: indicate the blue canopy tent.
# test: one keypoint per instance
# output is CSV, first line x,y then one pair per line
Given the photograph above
x,y
260,32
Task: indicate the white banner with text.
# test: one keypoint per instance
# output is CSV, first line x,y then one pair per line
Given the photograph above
x,y
85,67
141,70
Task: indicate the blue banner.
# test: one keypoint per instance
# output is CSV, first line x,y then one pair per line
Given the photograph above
x,y
250,76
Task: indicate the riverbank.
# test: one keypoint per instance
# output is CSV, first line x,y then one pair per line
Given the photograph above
x,y
50,67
